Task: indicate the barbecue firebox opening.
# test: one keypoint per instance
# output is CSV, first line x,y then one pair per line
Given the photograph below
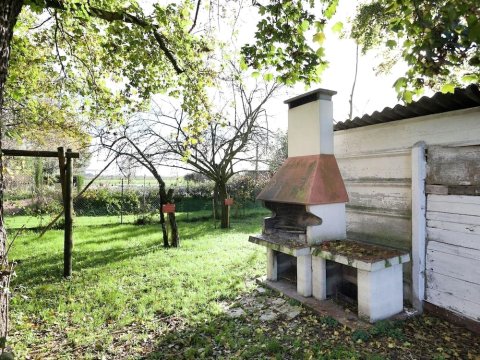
x,y
289,219
287,267
341,281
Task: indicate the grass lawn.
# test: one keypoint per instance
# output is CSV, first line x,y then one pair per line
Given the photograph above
x,y
131,299
31,222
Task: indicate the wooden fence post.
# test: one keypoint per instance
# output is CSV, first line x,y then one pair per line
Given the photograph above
x,y
68,240
61,165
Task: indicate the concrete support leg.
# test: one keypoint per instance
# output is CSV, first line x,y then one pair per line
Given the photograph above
x,y
272,272
380,293
304,275
319,278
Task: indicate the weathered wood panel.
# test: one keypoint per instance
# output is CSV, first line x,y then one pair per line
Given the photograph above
x,y
453,254
376,166
462,289
454,238
380,195
464,190
453,165
450,302
453,189
380,228
454,266
456,199
453,230
451,226
454,218
454,204
454,250
436,189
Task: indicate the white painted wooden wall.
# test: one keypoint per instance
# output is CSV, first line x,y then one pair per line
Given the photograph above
x,y
453,253
375,162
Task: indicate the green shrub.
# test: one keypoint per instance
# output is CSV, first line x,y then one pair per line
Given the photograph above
x,y
245,188
107,202
201,190
79,182
45,203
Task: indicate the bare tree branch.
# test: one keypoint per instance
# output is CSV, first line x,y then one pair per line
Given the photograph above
x,y
160,138
196,16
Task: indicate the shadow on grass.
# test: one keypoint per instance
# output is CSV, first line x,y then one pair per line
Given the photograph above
x,y
92,250
104,232
49,267
247,337
311,337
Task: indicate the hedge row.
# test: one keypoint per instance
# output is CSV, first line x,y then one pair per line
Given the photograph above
x,y
107,201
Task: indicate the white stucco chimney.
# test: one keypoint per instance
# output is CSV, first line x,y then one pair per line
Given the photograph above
x,y
310,123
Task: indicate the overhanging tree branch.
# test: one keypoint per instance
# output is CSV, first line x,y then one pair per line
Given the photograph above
x,y
122,16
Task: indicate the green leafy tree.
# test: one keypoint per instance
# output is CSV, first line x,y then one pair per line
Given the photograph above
x,y
37,99
439,40
282,40
101,58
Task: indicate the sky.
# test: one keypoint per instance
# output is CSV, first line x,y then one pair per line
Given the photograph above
x,y
372,92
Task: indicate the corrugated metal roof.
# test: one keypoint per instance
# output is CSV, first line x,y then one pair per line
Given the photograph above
x,y
461,99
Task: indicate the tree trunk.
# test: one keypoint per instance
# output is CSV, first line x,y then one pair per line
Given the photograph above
x,y
175,240
222,194
9,10
350,114
174,230
162,196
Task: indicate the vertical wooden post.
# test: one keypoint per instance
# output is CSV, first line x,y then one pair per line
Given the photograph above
x,y
419,224
61,165
228,202
256,162
121,206
213,209
228,216
144,199
68,240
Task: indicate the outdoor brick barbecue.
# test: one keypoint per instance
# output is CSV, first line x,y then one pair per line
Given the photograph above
x,y
307,198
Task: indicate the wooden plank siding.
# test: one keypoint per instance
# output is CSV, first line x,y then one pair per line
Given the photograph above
x,y
453,232
456,166
376,164
378,186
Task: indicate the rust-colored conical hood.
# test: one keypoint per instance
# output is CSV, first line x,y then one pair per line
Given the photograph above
x,y
307,180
